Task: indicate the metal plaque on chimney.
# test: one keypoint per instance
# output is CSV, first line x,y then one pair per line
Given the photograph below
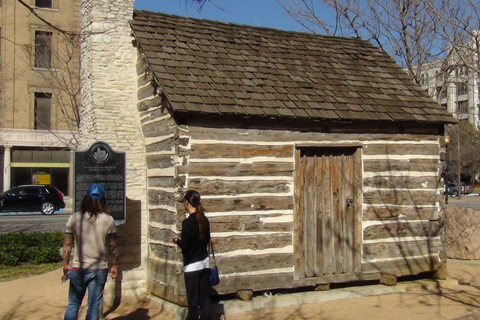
x,y
101,164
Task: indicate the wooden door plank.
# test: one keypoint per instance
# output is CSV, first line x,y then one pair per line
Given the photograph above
x,y
328,222
319,190
298,232
349,218
342,227
358,191
336,187
309,220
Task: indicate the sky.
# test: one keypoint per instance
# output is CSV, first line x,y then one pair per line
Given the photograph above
x,y
260,13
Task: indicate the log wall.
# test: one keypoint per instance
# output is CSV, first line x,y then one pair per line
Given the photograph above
x,y
402,194
160,132
246,180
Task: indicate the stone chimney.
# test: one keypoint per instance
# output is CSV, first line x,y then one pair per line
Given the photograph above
x,y
109,113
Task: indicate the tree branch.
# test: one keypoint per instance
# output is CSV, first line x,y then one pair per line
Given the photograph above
x,y
42,19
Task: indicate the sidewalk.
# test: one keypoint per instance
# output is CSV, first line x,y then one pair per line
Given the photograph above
x,y
458,297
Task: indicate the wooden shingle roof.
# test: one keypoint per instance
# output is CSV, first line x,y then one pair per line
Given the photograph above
x,y
219,68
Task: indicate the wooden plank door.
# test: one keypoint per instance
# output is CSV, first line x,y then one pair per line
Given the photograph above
x,y
327,235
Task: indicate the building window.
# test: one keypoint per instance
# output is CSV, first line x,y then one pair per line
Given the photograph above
x,y
44,3
25,175
462,71
43,49
462,107
43,106
54,162
441,93
462,88
424,78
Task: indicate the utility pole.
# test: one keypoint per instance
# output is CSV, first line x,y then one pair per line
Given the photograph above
x,y
459,166
444,143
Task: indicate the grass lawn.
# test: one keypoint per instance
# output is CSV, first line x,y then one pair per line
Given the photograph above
x,y
26,270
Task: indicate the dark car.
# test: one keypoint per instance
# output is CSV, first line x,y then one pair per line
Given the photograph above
x,y
452,189
30,198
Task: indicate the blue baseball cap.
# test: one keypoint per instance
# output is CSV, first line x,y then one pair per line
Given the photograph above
x,y
96,191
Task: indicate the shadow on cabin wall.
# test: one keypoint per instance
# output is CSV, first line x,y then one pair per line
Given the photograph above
x,y
129,244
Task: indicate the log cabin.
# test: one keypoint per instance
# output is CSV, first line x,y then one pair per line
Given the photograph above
x,y
318,159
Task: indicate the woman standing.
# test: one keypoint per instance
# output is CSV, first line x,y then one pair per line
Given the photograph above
x,y
194,240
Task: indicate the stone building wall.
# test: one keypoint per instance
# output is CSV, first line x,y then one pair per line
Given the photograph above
x,y
109,114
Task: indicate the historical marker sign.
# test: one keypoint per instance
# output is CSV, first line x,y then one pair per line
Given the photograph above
x,y
100,164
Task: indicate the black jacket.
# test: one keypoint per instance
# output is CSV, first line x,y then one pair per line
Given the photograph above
x,y
193,249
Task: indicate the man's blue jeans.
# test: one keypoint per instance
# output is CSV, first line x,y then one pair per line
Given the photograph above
x,y
80,280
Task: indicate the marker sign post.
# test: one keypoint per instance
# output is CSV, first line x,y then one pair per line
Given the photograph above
x,y
100,164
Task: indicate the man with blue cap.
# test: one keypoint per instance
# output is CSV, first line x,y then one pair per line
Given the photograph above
x,y
89,230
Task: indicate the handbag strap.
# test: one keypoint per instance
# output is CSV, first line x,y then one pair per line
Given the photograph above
x,y
213,252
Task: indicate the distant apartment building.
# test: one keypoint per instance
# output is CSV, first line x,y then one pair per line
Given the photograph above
x,y
455,86
39,91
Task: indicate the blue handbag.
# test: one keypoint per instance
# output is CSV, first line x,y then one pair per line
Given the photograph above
x,y
213,278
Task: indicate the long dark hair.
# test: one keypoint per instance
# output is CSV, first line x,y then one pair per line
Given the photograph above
x,y
193,197
93,206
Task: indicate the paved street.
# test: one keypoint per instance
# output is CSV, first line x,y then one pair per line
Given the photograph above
x,y
470,201
32,222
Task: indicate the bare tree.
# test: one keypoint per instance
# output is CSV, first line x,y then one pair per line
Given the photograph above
x,y
200,4
462,152
413,32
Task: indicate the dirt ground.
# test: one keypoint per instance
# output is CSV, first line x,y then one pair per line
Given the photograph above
x,y
45,297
